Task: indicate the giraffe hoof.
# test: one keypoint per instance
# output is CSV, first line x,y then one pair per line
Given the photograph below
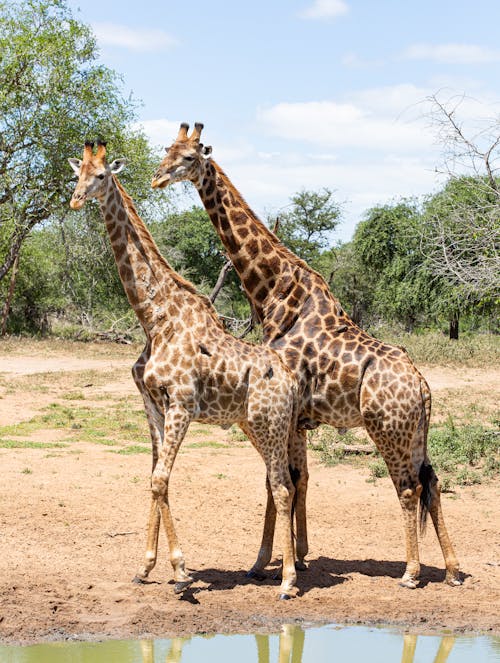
x,y
138,580
408,583
300,566
256,575
285,597
453,580
180,587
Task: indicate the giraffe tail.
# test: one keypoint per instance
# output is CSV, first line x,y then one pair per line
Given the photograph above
x,y
428,480
426,474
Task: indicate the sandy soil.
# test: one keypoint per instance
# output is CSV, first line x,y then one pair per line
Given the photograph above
x,y
72,532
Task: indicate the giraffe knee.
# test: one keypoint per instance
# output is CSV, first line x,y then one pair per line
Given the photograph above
x,y
408,497
159,484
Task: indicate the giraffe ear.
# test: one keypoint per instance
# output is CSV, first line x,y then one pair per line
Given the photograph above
x,y
117,166
206,151
75,164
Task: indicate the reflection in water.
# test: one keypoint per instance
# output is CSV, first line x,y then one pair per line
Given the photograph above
x,y
174,652
291,642
291,647
410,644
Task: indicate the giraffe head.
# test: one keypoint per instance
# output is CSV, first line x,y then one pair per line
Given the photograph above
x,y
184,159
93,173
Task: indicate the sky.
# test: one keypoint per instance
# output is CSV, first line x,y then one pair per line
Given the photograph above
x,y
307,94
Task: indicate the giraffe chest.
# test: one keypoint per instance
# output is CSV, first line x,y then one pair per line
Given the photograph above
x,y
213,388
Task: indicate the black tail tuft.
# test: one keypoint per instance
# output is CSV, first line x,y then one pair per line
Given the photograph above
x,y
427,478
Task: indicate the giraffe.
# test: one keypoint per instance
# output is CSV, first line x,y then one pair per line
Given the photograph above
x,y
191,369
346,377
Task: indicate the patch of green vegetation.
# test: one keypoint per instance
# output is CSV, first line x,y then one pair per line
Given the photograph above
x,y
201,429
472,350
209,443
466,454
74,396
120,423
236,434
329,444
132,449
27,444
378,469
27,470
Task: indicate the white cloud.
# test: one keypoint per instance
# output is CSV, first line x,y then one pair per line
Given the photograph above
x,y
357,184
160,132
134,39
325,9
354,61
452,53
338,124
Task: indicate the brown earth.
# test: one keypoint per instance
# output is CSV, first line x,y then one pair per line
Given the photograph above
x,y
72,528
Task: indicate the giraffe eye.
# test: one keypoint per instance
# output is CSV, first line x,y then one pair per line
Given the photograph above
x,y
101,176
189,158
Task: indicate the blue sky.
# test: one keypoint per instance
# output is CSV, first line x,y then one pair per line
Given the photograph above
x,y
305,94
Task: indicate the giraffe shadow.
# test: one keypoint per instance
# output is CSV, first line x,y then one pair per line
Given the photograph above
x,y
220,580
322,573
374,568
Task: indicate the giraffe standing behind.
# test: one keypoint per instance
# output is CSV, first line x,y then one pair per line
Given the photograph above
x,y
346,377
191,369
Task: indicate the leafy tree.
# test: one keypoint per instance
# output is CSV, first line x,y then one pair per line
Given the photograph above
x,y
461,229
349,281
387,246
186,238
52,95
307,226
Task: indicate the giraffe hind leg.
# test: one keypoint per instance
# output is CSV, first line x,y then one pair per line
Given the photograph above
x,y
430,502
408,489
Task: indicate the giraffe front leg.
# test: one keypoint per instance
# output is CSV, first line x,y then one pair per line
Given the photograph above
x,y
177,421
151,545
266,546
300,478
283,495
156,422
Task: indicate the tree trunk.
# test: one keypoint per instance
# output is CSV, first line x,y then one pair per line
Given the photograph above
x,y
10,293
454,327
223,274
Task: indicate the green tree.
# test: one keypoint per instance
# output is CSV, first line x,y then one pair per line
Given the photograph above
x,y
307,226
460,237
461,229
387,246
52,95
349,281
187,240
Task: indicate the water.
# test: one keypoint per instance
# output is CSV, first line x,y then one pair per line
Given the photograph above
x,y
292,645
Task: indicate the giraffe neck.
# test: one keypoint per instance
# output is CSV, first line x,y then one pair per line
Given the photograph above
x,y
155,291
277,282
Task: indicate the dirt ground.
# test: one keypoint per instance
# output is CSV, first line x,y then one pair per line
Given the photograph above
x,y
72,528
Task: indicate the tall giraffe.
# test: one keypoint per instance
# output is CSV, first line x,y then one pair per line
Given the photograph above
x,y
191,369
346,377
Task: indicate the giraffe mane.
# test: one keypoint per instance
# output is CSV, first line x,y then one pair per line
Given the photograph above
x,y
290,256
177,278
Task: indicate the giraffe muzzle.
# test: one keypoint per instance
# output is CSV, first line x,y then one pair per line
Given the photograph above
x,y
77,201
160,181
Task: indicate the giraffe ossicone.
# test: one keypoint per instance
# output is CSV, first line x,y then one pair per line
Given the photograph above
x,y
191,369
346,377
